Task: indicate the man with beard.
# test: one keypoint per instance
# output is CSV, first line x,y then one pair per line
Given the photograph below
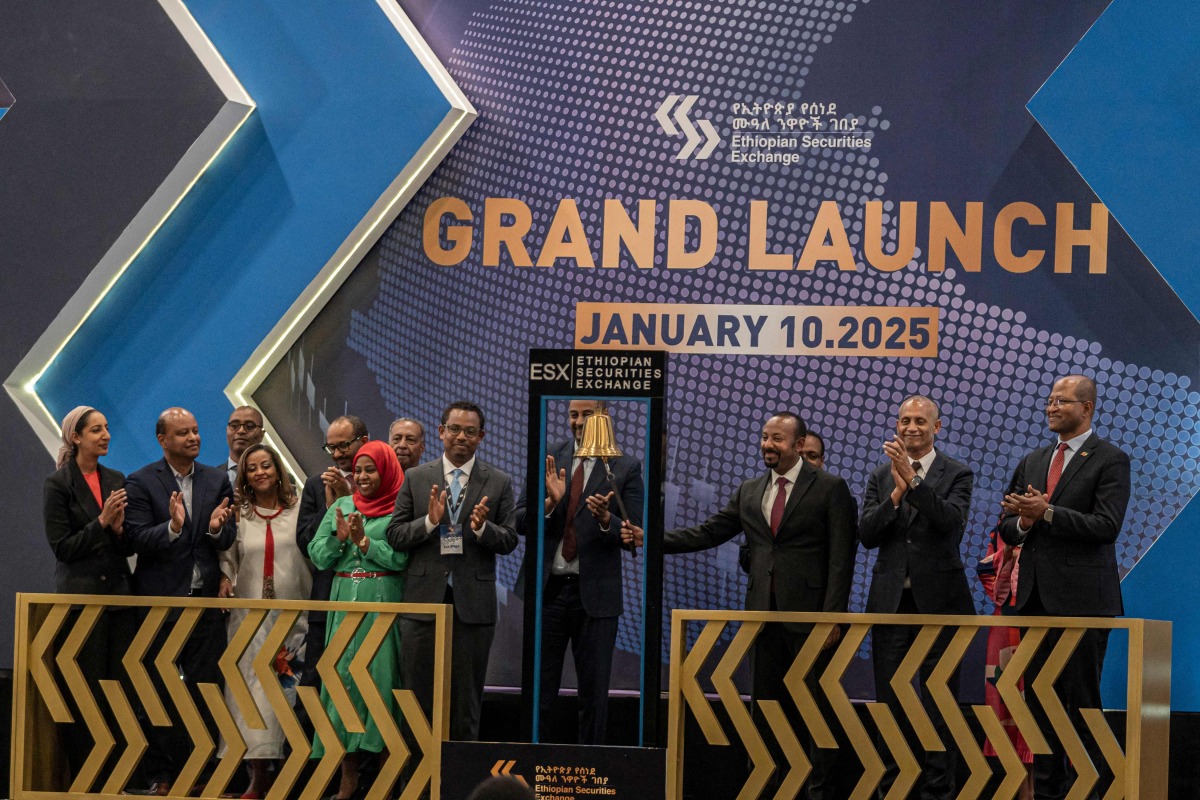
x,y
800,527
343,437
581,570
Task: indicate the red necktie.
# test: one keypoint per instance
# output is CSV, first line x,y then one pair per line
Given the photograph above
x,y
268,587
570,547
1056,468
778,506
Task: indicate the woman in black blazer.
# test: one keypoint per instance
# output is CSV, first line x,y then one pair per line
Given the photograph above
x,y
84,511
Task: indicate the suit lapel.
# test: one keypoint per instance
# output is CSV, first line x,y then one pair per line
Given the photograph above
x,y
804,482
1039,465
83,492
933,477
753,516
1077,462
474,492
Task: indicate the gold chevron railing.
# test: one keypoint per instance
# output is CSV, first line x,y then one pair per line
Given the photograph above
x,y
1139,772
52,629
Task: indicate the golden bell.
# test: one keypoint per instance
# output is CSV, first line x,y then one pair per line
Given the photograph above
x,y
598,438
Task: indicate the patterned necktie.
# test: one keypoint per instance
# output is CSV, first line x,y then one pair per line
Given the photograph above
x,y
456,487
570,546
916,465
779,504
1056,469
268,581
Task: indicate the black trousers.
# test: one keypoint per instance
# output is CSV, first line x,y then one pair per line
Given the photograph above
x,y
774,651
890,644
470,645
1078,686
170,747
592,639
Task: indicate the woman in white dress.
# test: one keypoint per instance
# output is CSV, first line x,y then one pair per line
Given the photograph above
x,y
265,563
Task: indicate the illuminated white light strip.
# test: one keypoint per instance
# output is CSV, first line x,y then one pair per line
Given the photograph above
x,y
363,236
22,383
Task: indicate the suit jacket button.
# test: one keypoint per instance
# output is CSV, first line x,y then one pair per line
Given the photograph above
x,y
103,577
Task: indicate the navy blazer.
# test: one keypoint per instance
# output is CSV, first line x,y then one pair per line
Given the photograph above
x,y
599,552
920,540
312,511
810,561
1072,562
91,558
164,567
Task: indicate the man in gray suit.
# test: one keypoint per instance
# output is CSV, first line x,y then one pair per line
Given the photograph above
x,y
914,512
799,524
453,516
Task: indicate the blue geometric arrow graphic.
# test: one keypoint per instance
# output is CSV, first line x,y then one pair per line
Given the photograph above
x,y
1123,108
352,111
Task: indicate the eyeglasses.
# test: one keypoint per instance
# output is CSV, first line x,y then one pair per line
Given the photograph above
x,y
340,447
470,432
1054,402
248,427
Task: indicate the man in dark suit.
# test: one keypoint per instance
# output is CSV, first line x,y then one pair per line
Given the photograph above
x,y
799,524
180,515
581,570
1066,504
453,516
343,437
914,512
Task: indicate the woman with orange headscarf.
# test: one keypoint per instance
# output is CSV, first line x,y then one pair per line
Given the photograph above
x,y
352,540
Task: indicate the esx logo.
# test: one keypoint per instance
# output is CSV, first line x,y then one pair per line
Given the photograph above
x,y
669,120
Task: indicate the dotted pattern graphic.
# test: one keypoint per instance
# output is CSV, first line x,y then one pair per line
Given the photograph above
x,y
566,94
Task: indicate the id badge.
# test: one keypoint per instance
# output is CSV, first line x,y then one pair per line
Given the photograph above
x,y
450,536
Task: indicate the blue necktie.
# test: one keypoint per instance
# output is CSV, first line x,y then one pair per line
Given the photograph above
x,y
456,488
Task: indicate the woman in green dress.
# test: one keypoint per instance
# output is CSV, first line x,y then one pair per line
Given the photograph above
x,y
352,540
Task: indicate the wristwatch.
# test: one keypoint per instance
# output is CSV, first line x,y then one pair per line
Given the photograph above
x,y
1049,515
914,482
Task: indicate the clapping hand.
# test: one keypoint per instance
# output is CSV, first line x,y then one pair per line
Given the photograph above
x,y
479,515
437,505
178,512
336,485
112,516
598,505
1030,507
357,534
556,484
220,516
342,531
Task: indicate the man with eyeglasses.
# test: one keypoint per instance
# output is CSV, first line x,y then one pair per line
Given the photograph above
x,y
243,431
453,516
1066,504
343,437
